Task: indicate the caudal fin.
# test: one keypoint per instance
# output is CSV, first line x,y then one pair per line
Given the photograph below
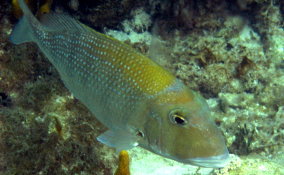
x,y
21,32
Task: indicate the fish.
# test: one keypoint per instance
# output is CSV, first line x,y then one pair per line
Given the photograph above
x,y
140,102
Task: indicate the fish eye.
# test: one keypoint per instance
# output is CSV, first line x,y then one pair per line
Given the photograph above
x,y
177,118
140,133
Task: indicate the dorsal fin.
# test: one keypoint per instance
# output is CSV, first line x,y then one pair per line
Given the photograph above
x,y
58,22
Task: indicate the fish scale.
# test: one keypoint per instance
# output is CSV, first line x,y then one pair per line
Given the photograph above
x,y
93,66
136,99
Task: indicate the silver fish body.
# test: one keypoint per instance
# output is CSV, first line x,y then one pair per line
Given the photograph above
x,y
140,102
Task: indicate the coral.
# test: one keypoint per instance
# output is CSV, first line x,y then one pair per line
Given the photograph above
x,y
123,164
250,165
141,21
234,164
134,30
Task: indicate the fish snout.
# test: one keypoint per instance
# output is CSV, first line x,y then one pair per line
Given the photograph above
x,y
218,161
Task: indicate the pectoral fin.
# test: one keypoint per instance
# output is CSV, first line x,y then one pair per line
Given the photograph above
x,y
121,140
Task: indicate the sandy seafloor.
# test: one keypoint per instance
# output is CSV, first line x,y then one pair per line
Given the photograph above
x,y
232,52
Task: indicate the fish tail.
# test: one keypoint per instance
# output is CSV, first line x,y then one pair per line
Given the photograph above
x,y
22,32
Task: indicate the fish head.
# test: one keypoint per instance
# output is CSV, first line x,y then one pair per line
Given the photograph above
x,y
180,128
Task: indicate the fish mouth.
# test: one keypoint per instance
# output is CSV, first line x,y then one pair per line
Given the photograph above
x,y
219,161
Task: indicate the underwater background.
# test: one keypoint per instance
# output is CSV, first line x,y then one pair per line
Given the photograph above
x,y
231,51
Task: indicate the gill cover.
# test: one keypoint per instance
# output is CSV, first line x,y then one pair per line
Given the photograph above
x,y
181,129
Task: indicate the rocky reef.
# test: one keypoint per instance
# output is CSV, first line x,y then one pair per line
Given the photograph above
x,y
232,52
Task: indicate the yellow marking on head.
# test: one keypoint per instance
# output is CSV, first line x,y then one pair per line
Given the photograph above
x,y
149,77
154,79
176,97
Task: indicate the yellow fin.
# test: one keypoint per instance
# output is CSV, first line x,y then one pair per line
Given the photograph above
x,y
45,8
16,8
123,164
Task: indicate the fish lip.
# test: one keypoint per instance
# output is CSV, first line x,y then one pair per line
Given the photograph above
x,y
219,161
